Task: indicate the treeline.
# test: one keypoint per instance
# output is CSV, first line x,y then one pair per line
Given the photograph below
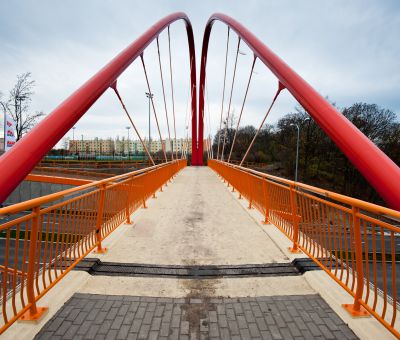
x,y
321,163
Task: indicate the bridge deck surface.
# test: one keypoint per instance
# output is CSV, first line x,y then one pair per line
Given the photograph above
x,y
197,221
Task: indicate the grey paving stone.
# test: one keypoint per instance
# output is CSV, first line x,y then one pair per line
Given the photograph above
x,y
233,328
254,330
92,331
159,310
148,316
105,327
213,330
245,333
144,331
185,327
224,333
123,332
84,328
135,327
123,310
153,335
112,334
93,316
262,325
100,317
73,314
63,328
134,306
71,332
164,330
176,320
117,322
222,321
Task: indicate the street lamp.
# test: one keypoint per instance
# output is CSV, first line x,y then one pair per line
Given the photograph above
x,y
128,127
21,98
297,147
82,147
18,115
150,96
73,138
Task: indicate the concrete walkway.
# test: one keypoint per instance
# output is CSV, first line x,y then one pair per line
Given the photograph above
x,y
197,220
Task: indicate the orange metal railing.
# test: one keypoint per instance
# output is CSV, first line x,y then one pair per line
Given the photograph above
x,y
353,241
48,236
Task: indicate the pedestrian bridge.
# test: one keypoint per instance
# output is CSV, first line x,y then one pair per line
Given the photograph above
x,y
199,258
216,251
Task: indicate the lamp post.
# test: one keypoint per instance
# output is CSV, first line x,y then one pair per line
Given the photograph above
x,y
297,147
18,115
297,150
73,139
82,147
225,128
128,127
150,96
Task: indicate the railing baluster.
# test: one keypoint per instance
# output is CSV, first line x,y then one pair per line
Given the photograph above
x,y
356,309
293,205
99,220
129,186
34,312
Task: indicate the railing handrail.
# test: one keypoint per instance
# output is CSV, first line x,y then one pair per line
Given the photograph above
x,y
378,169
16,164
29,204
375,208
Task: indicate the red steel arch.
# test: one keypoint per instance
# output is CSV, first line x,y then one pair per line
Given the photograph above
x,y
17,163
379,170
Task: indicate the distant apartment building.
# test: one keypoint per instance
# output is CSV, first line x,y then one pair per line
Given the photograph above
x,y
135,146
97,146
123,146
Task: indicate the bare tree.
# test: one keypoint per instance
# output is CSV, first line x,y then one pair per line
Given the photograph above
x,y
18,102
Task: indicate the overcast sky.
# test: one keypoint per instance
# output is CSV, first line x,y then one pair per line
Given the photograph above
x,y
347,50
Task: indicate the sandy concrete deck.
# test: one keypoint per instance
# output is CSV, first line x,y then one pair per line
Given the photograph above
x,y
195,221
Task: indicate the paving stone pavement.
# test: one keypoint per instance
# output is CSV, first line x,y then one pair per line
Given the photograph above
x,y
92,316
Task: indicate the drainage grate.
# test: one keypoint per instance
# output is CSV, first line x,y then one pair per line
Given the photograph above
x,y
96,267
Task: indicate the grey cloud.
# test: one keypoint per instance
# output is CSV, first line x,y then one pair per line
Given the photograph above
x,y
348,51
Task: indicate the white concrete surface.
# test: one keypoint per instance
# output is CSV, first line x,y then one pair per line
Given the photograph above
x,y
171,287
195,221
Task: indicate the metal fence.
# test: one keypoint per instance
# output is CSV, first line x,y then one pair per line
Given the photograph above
x,y
355,242
48,236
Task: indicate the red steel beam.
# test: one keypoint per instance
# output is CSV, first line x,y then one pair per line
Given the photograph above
x,y
17,163
379,170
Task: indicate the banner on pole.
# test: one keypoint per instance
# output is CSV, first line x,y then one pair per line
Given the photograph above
x,y
9,132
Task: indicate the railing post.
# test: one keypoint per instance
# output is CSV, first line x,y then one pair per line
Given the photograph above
x,y
34,312
250,194
267,199
355,309
99,220
293,206
128,202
